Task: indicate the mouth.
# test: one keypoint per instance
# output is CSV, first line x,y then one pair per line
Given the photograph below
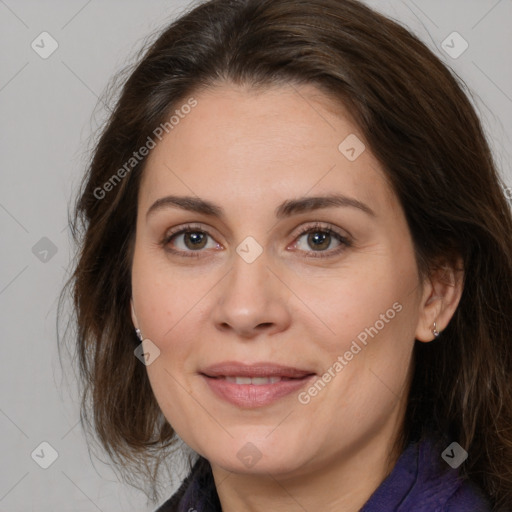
x,y
255,385
255,381
255,371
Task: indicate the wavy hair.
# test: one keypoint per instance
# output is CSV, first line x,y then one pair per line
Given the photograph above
x,y
417,119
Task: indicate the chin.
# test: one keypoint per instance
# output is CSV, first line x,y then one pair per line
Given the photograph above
x,y
259,456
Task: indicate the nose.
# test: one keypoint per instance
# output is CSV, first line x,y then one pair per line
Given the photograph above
x,y
251,300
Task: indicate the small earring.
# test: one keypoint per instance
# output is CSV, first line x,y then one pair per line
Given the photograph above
x,y
435,332
138,333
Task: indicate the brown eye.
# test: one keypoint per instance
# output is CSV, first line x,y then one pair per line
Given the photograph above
x,y
322,240
195,239
319,240
188,241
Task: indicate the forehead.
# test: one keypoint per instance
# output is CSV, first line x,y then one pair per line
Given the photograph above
x,y
241,145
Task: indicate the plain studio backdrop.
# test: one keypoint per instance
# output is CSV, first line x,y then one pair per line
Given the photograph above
x,y
49,101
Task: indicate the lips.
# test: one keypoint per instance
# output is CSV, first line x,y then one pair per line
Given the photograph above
x,y
256,385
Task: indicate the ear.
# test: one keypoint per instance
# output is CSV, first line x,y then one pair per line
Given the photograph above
x,y
134,316
441,296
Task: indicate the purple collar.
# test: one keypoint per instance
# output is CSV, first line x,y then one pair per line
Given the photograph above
x,y
420,482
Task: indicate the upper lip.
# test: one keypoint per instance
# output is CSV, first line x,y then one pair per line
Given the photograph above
x,y
264,369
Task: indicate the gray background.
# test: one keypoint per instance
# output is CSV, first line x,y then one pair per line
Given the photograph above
x,y
49,109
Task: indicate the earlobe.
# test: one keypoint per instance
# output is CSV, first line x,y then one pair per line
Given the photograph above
x,y
430,326
435,332
442,296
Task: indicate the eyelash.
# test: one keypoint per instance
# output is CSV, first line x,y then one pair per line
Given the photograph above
x,y
317,227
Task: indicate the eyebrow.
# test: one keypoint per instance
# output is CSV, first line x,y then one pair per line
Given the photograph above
x,y
285,209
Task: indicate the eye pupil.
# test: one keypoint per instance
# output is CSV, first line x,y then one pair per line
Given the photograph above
x,y
319,238
195,237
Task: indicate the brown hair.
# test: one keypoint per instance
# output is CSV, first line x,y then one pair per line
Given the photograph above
x,y
421,126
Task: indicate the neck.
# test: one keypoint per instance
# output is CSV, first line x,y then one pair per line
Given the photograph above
x,y
343,482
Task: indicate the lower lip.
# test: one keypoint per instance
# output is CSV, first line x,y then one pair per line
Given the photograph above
x,y
251,395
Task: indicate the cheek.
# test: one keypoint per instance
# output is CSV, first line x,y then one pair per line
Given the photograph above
x,y
167,310
164,299
359,304
376,353
372,315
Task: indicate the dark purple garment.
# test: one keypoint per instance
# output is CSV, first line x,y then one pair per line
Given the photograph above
x,y
421,481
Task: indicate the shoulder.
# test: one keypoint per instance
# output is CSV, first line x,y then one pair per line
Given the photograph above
x,y
446,489
468,496
422,481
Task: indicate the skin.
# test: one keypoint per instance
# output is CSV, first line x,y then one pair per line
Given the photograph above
x,y
248,151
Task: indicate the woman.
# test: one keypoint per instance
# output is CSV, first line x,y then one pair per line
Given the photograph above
x,y
294,221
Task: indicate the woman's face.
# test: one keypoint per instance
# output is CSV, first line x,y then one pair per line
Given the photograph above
x,y
324,321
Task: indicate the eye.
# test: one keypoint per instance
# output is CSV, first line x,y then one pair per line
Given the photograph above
x,y
314,241
320,239
187,240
